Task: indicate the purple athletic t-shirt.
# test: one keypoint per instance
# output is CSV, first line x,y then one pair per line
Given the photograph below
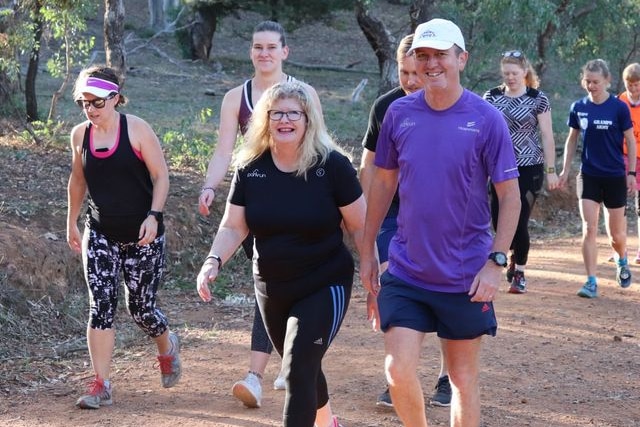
x,y
445,159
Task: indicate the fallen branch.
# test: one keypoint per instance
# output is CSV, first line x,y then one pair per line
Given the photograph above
x,y
169,29
165,56
345,69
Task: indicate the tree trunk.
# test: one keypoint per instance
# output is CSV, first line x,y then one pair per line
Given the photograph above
x,y
156,14
67,68
382,44
9,77
419,12
32,69
114,35
543,39
201,32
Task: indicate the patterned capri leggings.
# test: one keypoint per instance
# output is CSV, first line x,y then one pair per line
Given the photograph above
x,y
142,268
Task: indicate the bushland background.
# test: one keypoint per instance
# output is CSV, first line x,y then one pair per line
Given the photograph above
x,y
558,360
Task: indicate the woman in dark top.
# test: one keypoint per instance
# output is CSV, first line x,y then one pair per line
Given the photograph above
x,y
293,190
117,159
268,51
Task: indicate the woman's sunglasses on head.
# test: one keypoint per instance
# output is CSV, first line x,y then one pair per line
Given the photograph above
x,y
95,103
512,53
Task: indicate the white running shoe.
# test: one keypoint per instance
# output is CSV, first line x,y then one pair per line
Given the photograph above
x,y
248,391
280,383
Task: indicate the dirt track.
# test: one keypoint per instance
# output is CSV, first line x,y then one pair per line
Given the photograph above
x,y
558,360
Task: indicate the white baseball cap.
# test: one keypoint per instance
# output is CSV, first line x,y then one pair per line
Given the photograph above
x,y
438,34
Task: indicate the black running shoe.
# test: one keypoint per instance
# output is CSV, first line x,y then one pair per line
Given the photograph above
x,y
442,395
384,400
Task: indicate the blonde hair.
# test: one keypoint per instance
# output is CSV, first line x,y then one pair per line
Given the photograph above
x,y
631,73
596,66
316,143
530,76
403,47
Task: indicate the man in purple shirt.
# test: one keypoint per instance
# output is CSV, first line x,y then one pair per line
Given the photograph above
x,y
439,146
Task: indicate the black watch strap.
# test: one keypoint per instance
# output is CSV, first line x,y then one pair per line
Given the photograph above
x,y
156,214
217,258
499,258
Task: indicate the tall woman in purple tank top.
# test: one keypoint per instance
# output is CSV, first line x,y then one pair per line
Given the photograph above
x,y
268,52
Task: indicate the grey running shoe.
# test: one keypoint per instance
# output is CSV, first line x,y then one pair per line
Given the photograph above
x,y
518,283
442,395
98,394
384,400
248,391
170,365
623,276
588,290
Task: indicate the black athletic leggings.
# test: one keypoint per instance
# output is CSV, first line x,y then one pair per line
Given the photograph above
x,y
301,330
530,183
259,338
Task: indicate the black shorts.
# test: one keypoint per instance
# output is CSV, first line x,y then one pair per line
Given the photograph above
x,y
612,191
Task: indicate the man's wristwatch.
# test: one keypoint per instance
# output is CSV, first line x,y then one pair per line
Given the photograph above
x,y
500,258
156,214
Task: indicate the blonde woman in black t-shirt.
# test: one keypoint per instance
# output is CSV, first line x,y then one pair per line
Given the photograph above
x,y
268,51
294,189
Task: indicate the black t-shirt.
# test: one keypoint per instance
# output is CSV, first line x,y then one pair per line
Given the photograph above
x,y
296,221
370,141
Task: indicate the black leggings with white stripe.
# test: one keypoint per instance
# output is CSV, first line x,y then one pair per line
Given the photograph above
x,y
301,331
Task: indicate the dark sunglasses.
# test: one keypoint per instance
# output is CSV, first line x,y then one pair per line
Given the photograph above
x,y
512,53
95,103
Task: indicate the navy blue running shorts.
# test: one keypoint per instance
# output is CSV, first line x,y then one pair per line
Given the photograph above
x,y
451,315
612,191
387,231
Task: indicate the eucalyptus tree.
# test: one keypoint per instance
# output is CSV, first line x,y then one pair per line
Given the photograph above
x,y
114,49
66,21
552,33
61,24
201,21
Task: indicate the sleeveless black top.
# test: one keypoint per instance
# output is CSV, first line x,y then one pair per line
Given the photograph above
x,y
119,185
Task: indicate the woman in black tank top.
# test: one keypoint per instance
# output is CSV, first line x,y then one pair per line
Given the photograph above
x,y
117,160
